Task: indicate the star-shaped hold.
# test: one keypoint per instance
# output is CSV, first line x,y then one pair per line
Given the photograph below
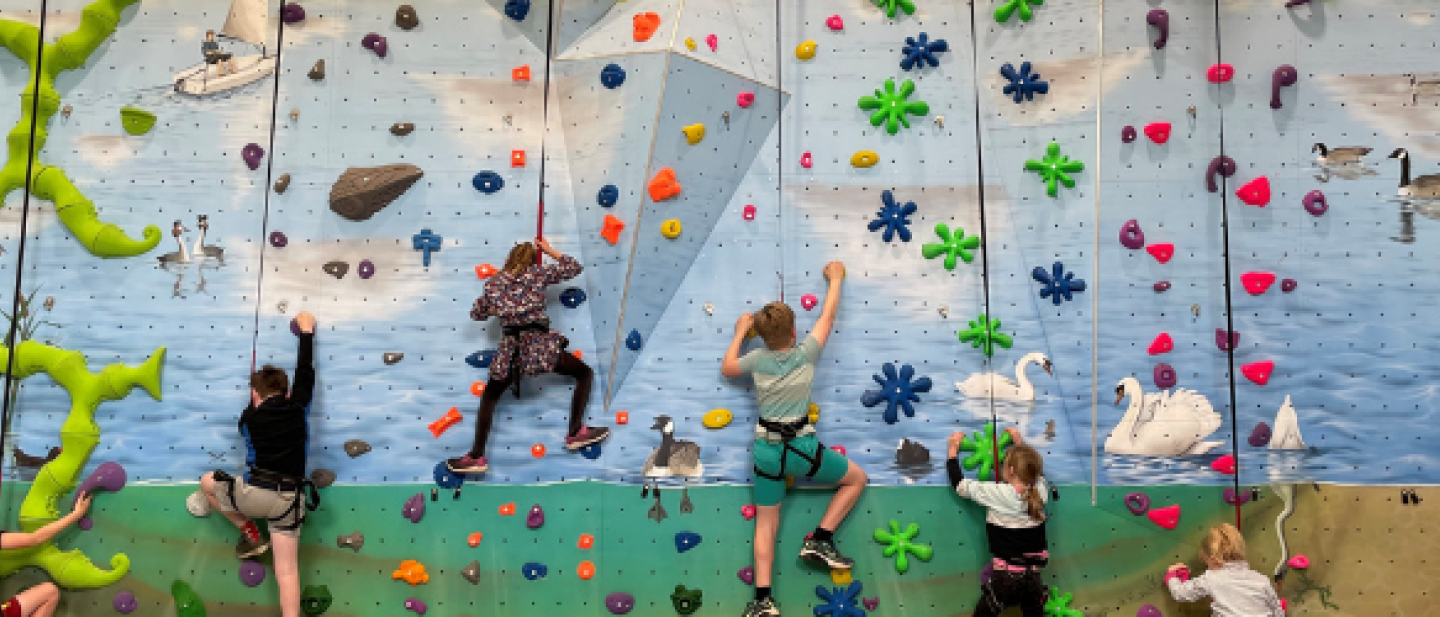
x,y
900,542
1055,169
839,602
921,50
897,391
982,449
953,244
1024,83
1009,7
892,107
984,334
891,6
893,218
1058,285
1059,604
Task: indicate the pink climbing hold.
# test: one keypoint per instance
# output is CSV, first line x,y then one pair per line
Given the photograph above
x,y
745,99
809,301
1255,192
748,511
805,160
1258,372
1161,252
1224,464
1149,610
1220,73
713,42
835,23
1167,517
1299,562
1257,282
1162,344
1315,203
1158,132
749,213
1183,574
747,575
1137,503
841,450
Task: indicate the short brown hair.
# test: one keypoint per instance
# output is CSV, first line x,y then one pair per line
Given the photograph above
x,y
776,325
520,259
1223,543
269,381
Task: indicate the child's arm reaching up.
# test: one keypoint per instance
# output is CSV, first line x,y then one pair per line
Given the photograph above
x,y
730,366
834,272
1192,590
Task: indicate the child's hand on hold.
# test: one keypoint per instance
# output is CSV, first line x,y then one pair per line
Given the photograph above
x,y
544,246
306,322
1014,434
834,271
953,444
1177,567
82,505
743,324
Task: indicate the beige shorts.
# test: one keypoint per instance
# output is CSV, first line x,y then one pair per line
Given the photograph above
x,y
284,511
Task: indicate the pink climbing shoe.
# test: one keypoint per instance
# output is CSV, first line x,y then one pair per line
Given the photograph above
x,y
587,436
467,465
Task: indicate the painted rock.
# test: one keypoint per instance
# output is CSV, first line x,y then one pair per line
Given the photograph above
x,y
1260,436
619,603
1167,517
1257,283
1137,502
1225,464
1158,132
1131,237
1161,252
360,192
1161,344
1255,192
1258,372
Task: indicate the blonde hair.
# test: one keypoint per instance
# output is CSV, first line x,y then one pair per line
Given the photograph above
x,y
521,257
1025,465
1223,543
776,325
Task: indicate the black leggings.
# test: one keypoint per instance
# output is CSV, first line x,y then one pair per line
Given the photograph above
x,y
568,365
1006,589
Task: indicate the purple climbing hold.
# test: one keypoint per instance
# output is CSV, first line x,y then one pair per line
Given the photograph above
x,y
1288,285
109,476
1165,376
1161,20
292,13
414,604
376,43
414,508
1226,343
1235,499
252,573
294,327
1130,235
1137,502
1315,203
253,154
1284,75
1162,286
125,603
620,603
747,575
366,269
278,239
536,517
1222,165
1260,437
1128,134
1149,610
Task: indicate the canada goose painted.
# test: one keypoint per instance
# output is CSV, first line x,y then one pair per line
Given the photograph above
x,y
181,256
1339,156
202,251
672,458
1427,186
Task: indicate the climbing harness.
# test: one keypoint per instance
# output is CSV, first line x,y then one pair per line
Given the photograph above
x,y
307,497
788,432
514,332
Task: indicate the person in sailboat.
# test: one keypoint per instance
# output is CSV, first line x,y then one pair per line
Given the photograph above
x,y
224,62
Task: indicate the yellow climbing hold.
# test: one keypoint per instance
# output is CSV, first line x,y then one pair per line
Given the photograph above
x,y
789,481
694,133
671,229
814,413
840,577
864,158
806,50
717,418
689,43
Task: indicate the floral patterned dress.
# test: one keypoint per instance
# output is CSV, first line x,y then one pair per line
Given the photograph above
x,y
518,300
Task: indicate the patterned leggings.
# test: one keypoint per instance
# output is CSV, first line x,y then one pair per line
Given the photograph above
x,y
1006,589
568,365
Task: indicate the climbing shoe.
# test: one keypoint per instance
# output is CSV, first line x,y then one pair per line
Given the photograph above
x,y
467,465
824,552
761,608
587,436
246,549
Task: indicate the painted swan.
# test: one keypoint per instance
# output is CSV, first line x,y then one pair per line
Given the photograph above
x,y
995,385
1168,423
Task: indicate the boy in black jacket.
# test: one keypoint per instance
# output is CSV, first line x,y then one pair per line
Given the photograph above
x,y
276,431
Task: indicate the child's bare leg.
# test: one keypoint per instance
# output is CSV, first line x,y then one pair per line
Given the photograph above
x,y
39,601
207,488
767,524
840,505
287,572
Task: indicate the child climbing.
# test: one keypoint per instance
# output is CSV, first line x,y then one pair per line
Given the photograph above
x,y
1233,588
785,443
516,294
1014,527
40,600
276,431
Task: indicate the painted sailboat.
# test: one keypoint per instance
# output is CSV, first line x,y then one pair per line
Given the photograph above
x,y
246,23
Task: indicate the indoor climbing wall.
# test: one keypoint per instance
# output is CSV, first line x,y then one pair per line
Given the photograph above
x,y
1161,239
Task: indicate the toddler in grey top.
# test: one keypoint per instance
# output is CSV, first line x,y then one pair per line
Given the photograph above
x,y
1233,588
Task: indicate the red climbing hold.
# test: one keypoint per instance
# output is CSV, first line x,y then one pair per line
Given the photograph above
x,y
645,26
664,186
1257,282
612,229
1162,344
806,160
1255,192
1258,372
1167,517
1158,132
1220,73
1161,252
1224,464
485,271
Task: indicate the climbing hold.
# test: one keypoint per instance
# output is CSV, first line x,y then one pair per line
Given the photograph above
x,y
517,158
586,570
689,43
252,573
840,449
745,98
748,213
645,26
717,418
1225,464
537,450
1258,372
1137,502
1165,376
633,341
586,542
1230,497
746,575
1162,252
1255,192
1159,18
401,129
892,107
317,72
414,508
608,195
485,271
612,228
1226,343
620,603
187,602
481,359
322,478
517,9
899,544
834,22
354,541
1288,285
411,571
572,297
1158,132
252,153
376,43
406,17
360,192
1024,83
507,509
1299,562
109,476
444,478
813,413
982,448
612,76
1257,282
533,571
694,133
713,41
1058,285
487,182
686,601
664,186
808,301
414,604
864,158
292,13
136,121
472,572
1315,203
337,269
1284,75
1131,237
1007,7
897,390
871,603
890,6
622,417
125,602
426,241
1161,344
535,517
953,245
1162,286
671,228
366,269
1128,134
806,50
1223,165
839,601
1220,73
282,183
315,600
893,218
1260,437
1167,517
748,511
984,334
686,540
921,50
355,448
1149,610
1054,168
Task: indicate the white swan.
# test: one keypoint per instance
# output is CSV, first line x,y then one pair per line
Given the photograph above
x,y
1169,423
995,385
1286,435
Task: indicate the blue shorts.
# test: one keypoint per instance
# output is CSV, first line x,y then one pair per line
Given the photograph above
x,y
769,492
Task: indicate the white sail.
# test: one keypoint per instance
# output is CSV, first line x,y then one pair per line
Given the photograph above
x,y
1286,434
247,21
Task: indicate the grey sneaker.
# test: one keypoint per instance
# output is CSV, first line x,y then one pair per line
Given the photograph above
x,y
197,504
762,608
246,549
824,552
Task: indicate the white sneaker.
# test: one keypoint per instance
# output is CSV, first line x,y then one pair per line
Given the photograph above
x,y
197,504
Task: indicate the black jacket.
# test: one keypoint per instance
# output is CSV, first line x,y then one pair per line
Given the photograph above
x,y
277,432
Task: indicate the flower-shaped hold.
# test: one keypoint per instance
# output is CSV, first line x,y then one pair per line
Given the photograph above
x,y
1009,7
897,390
1024,83
984,334
890,6
1058,285
982,449
1055,168
921,50
893,218
900,544
1058,605
839,601
894,105
953,244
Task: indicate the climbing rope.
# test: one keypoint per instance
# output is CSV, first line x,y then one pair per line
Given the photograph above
x,y
544,126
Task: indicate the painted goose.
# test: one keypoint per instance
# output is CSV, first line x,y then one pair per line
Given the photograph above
x,y
672,458
1339,156
1427,186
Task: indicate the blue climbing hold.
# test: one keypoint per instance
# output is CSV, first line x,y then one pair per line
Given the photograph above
x,y
481,359
921,50
893,218
488,182
841,602
427,242
517,9
608,195
572,297
1023,83
591,451
633,341
445,478
1058,285
612,76
898,391
533,571
686,540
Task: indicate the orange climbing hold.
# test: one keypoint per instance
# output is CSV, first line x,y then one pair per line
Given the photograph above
x,y
485,271
622,417
663,186
520,73
412,572
586,570
451,418
474,539
577,354
478,388
587,541
517,158
612,229
645,26
507,509
537,450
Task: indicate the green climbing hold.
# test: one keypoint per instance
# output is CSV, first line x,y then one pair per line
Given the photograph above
x,y
892,107
315,600
982,449
1058,604
900,543
953,244
890,6
686,601
1055,168
187,602
136,121
985,334
1008,7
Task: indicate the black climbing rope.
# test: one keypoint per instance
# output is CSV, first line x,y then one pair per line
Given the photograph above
x,y
269,173
779,148
984,245
545,124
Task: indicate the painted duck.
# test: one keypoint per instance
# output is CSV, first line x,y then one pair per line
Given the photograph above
x,y
202,251
1339,156
672,458
1427,186
181,256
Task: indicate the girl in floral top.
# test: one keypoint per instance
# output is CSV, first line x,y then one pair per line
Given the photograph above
x,y
516,295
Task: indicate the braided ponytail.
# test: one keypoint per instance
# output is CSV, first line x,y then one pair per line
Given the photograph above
x,y
1026,466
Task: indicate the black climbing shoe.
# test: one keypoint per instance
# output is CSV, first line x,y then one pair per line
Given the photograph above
x,y
761,608
824,552
246,549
